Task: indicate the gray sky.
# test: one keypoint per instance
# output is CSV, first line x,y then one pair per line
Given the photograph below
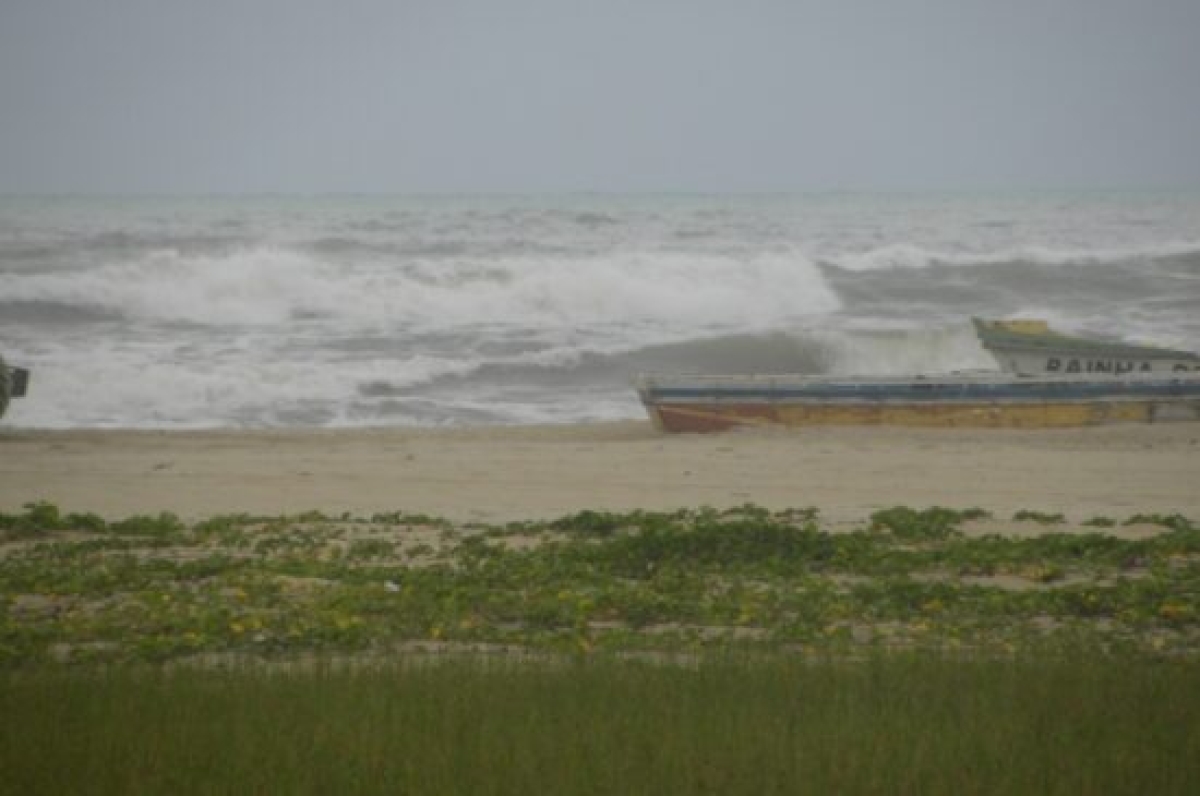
x,y
607,95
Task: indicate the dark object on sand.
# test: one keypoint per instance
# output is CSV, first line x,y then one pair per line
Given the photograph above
x,y
14,383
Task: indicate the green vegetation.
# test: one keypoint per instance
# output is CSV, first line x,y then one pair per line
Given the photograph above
x,y
78,589
934,523
705,651
1038,517
1172,521
725,725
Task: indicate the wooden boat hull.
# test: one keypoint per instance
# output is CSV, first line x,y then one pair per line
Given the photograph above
x,y
706,404
699,418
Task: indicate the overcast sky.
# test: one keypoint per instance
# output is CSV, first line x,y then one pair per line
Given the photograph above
x,y
597,95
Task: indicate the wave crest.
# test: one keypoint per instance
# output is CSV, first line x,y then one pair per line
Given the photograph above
x,y
272,286
903,255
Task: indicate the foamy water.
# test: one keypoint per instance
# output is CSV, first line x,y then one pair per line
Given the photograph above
x,y
294,311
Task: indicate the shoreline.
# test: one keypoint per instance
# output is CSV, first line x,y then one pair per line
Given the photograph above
x,y
496,474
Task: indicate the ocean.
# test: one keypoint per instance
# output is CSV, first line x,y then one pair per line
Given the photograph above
x,y
338,311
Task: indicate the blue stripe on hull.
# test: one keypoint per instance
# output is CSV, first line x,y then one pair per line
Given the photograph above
x,y
923,392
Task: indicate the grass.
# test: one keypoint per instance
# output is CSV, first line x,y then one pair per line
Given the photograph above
x,y
702,651
725,725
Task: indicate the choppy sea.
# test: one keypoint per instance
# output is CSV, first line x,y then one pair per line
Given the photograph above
x,y
297,311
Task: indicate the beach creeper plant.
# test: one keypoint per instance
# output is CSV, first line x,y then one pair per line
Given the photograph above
x,y
154,588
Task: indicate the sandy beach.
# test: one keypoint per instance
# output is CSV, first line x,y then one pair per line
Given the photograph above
x,y
508,473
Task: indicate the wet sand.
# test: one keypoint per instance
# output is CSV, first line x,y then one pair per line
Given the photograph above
x,y
501,474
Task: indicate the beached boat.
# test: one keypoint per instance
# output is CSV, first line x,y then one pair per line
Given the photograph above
x,y
717,403
13,384
1031,347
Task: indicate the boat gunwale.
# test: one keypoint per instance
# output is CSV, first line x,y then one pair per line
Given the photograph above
x,y
1114,351
996,338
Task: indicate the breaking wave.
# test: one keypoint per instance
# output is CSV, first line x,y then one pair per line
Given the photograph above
x,y
902,255
274,286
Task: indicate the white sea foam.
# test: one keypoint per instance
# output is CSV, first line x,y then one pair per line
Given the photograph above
x,y
262,286
903,255
269,286
905,351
